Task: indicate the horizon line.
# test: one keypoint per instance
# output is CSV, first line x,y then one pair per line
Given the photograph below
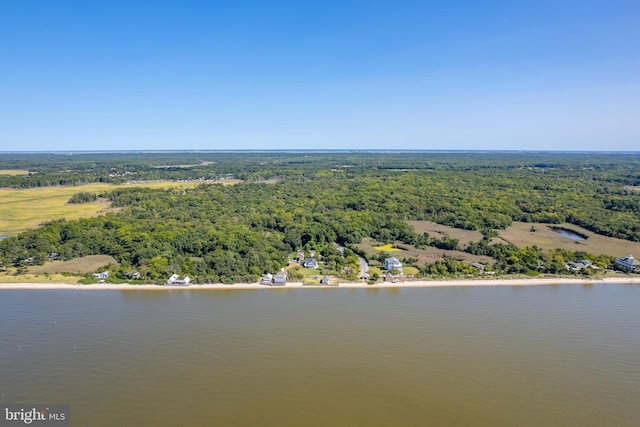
x,y
318,151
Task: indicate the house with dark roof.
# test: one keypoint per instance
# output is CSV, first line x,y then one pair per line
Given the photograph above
x,y
326,280
578,265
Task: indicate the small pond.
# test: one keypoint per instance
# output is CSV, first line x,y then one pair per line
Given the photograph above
x,y
573,235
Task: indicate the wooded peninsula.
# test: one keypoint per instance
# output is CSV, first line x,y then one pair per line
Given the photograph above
x,y
227,217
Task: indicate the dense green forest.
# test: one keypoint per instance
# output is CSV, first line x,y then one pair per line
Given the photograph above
x,y
219,233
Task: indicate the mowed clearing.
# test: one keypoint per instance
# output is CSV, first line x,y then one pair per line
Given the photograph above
x,y
428,255
439,231
520,234
22,209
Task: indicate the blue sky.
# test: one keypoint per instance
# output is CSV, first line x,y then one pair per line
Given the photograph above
x,y
95,75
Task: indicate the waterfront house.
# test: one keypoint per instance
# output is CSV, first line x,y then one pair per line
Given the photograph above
x,y
310,263
479,267
392,263
578,265
135,275
628,263
102,275
267,279
281,278
174,280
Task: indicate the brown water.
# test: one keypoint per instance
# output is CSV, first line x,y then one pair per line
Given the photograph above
x,y
491,356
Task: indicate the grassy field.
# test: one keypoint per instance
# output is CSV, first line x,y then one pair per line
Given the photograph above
x,y
34,278
83,265
308,276
439,231
520,234
13,172
376,270
22,209
410,271
428,255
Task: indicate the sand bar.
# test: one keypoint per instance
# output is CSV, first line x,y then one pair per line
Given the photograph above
x,y
349,285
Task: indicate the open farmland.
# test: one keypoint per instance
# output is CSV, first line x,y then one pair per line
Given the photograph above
x,y
520,234
439,231
22,209
13,172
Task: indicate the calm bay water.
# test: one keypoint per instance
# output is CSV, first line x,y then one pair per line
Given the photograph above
x,y
487,356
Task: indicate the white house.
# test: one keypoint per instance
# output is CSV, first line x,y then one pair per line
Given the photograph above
x,y
102,275
174,280
267,279
392,263
310,263
628,263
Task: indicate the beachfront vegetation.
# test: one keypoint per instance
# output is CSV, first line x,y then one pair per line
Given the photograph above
x,y
309,201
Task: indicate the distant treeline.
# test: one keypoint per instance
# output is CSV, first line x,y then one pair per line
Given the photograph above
x,y
47,169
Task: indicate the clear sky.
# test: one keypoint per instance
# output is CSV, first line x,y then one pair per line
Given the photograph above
x,y
348,74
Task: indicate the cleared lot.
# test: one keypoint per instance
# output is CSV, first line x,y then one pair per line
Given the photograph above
x,y
439,231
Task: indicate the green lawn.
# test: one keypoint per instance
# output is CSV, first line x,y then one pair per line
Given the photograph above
x,y
410,271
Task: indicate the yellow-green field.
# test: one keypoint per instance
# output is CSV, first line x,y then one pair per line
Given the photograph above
x,y
387,248
22,209
13,172
34,278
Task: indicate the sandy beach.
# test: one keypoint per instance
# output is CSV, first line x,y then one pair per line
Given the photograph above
x,y
349,285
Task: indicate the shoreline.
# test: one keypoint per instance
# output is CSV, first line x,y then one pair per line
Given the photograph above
x,y
345,285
